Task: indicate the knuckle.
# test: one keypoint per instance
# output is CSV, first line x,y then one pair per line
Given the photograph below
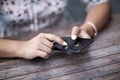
x,y
41,34
54,36
45,55
50,50
50,35
75,27
51,45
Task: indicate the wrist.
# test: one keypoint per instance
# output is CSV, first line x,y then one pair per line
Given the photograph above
x,y
88,29
19,49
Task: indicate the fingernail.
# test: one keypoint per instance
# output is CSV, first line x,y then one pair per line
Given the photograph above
x,y
73,37
64,43
89,37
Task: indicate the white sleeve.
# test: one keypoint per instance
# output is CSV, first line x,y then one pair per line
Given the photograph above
x,y
91,3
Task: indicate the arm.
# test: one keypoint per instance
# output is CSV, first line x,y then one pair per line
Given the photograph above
x,y
39,46
98,15
8,48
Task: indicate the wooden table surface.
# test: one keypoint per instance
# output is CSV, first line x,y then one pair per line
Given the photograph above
x,y
100,62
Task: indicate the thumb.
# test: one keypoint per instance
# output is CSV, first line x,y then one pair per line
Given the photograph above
x,y
75,32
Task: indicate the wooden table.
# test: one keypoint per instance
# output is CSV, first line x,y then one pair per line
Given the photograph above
x,y
100,62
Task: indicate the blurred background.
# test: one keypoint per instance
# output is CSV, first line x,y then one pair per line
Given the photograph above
x,y
77,9
76,15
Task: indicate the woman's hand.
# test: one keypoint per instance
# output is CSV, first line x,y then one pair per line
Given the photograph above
x,y
85,31
39,46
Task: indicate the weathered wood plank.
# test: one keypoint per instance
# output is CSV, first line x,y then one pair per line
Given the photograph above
x,y
83,65
91,74
78,69
61,62
114,76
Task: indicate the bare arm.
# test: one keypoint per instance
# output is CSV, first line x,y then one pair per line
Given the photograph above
x,y
38,46
98,15
8,48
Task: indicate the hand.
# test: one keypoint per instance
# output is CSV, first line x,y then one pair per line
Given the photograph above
x,y
81,32
39,46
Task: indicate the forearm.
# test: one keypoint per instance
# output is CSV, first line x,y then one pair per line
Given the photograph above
x,y
99,16
38,46
9,48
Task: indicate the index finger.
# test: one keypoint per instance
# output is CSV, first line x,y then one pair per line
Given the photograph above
x,y
55,38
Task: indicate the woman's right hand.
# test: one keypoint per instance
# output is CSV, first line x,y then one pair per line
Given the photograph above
x,y
39,46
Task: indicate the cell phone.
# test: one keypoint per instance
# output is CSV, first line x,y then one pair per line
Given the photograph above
x,y
74,46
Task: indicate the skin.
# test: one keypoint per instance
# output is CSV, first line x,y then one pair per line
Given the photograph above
x,y
98,15
42,44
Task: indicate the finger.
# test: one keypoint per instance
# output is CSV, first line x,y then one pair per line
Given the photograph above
x,y
84,34
42,54
47,43
75,32
55,38
45,48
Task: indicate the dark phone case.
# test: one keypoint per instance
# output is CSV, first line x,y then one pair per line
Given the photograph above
x,y
74,46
